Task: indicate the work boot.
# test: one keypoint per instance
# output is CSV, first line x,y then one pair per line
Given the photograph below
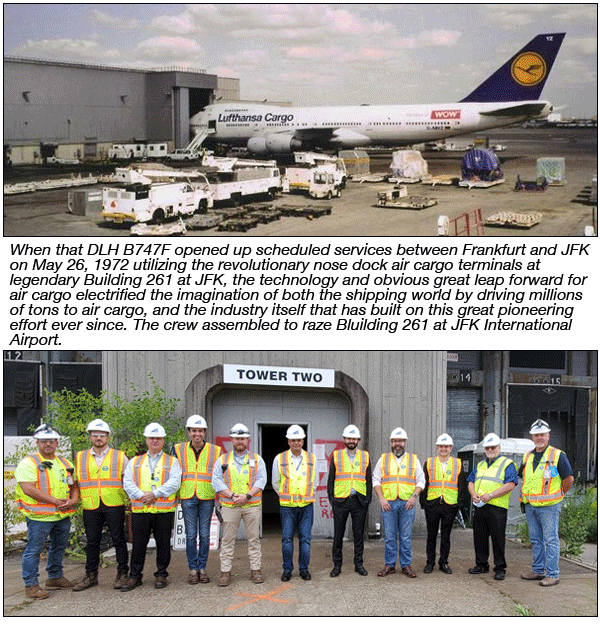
x,y
532,576
549,581
131,584
60,583
36,592
203,576
256,576
193,577
120,580
225,579
89,580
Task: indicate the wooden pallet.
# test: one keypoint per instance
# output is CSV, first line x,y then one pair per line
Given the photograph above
x,y
203,222
514,220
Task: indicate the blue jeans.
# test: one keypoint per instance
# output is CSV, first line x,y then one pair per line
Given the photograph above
x,y
296,519
543,534
197,514
397,525
37,533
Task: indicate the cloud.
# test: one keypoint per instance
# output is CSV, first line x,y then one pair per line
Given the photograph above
x,y
582,45
183,24
118,23
169,49
66,49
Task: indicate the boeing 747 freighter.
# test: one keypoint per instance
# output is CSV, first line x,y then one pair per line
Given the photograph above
x,y
510,95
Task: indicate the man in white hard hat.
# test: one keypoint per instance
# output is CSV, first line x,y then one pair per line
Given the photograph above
x,y
197,458
239,477
99,472
398,480
46,494
444,485
349,488
490,484
294,478
547,476
151,481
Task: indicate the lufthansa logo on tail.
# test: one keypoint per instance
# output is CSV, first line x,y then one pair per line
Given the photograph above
x,y
528,69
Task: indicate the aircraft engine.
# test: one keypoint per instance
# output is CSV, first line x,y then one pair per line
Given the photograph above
x,y
273,144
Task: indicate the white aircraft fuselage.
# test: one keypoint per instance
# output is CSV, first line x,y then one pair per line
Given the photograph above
x,y
283,129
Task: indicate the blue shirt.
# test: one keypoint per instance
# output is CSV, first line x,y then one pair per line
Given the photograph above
x,y
510,474
217,477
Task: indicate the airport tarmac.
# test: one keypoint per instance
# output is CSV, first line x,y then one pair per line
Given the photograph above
x,y
566,209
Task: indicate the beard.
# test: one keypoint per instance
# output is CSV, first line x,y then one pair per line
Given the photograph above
x,y
351,445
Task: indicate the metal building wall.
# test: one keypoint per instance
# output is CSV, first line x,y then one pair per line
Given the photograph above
x,y
65,103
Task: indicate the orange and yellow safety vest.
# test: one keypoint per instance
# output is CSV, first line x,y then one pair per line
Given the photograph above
x,y
101,483
443,483
542,487
143,479
350,475
196,475
296,487
398,481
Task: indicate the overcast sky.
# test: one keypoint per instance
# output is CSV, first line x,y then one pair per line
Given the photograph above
x,y
313,54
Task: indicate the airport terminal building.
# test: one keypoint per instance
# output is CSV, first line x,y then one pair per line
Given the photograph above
x,y
466,393
79,110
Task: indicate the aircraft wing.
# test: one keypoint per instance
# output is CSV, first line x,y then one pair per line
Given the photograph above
x,y
530,109
332,136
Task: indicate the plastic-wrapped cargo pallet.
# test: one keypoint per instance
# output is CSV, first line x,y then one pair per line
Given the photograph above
x,y
553,169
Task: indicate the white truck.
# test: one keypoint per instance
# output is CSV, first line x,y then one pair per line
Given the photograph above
x,y
131,151
184,155
143,203
334,163
235,185
317,181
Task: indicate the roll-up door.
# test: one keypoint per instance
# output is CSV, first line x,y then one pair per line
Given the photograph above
x,y
463,416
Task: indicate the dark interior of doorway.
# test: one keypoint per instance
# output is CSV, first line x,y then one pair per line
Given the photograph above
x,y
273,442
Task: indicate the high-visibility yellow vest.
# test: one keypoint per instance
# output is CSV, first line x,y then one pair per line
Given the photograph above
x,y
296,487
443,483
196,475
52,481
101,483
240,483
398,481
350,475
539,487
143,479
489,478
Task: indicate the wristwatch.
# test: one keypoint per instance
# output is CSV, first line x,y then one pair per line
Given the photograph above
x,y
248,495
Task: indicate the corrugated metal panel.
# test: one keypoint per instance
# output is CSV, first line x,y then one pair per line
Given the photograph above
x,y
463,416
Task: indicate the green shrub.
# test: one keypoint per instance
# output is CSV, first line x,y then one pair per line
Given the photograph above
x,y
577,516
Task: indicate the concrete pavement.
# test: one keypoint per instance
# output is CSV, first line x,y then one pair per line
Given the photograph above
x,y
436,594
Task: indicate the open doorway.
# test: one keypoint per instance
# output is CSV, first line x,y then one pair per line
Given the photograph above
x,y
272,442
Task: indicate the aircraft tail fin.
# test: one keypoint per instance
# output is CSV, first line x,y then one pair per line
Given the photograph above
x,y
524,75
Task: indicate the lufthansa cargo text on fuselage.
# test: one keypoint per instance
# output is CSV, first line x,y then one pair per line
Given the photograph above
x,y
268,117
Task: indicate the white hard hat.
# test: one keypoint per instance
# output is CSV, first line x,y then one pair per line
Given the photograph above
x,y
295,432
239,430
154,430
45,432
491,439
445,439
539,426
98,425
196,421
398,432
351,431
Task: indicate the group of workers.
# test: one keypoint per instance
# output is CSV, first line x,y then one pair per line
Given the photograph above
x,y
49,487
